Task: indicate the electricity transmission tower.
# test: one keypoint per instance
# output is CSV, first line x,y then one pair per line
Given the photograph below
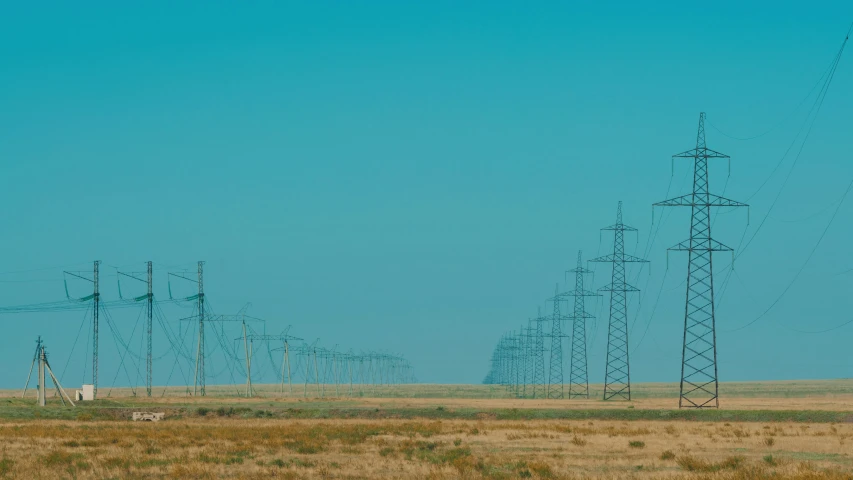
x,y
240,317
699,387
96,307
149,323
149,374
285,339
198,382
519,353
555,367
578,379
199,365
306,351
538,354
511,354
617,376
527,337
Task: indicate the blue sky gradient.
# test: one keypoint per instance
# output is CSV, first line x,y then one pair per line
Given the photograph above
x,y
418,177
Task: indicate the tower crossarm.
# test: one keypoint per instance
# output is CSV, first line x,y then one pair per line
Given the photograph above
x,y
620,226
696,200
623,287
701,244
579,269
703,152
582,293
611,257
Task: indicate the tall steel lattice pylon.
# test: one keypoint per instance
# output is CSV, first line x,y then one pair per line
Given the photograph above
x,y
699,387
538,353
617,376
199,386
148,360
149,324
555,367
96,307
528,339
578,378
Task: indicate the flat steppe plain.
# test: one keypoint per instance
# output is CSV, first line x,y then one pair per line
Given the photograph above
x,y
795,429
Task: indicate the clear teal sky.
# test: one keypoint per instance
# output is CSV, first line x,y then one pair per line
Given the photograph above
x,y
418,177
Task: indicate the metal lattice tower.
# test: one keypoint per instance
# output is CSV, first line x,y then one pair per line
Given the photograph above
x,y
578,378
528,339
555,367
199,384
617,376
96,306
538,360
149,325
699,387
148,361
204,319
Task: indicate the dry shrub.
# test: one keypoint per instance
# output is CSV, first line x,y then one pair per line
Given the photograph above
x,y
466,463
543,470
693,464
578,441
60,458
667,455
6,466
191,470
769,441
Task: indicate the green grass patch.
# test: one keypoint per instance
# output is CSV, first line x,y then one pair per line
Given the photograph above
x,y
104,410
6,465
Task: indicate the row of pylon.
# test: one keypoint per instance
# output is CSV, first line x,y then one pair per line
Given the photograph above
x,y
518,361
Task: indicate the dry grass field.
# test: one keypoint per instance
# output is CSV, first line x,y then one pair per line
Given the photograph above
x,y
218,447
790,430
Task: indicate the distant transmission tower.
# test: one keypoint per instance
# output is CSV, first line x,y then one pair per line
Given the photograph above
x,y
149,365
555,367
96,306
199,384
528,336
578,379
699,387
149,322
617,376
538,360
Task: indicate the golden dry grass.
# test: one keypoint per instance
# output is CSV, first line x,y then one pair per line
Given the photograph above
x,y
823,395
264,448
641,392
